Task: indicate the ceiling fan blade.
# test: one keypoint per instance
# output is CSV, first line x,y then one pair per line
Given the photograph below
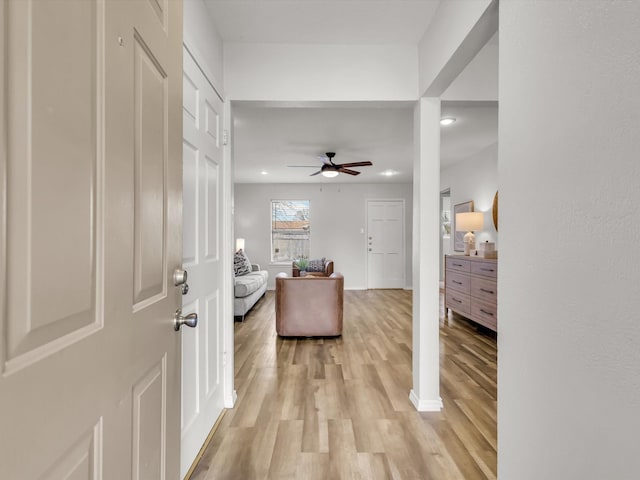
x,y
355,164
317,173
347,171
324,159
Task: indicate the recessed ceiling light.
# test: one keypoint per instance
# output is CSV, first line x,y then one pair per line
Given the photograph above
x,y
263,172
389,173
447,121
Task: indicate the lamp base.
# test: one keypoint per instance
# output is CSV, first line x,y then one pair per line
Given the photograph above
x,y
469,243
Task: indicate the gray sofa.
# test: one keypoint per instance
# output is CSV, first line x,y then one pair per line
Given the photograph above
x,y
248,290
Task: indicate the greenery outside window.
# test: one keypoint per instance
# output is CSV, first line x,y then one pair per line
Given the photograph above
x,y
289,230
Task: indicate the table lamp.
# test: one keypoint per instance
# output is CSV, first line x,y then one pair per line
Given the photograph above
x,y
469,222
239,244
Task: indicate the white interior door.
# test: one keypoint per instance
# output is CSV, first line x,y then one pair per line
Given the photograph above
x,y
202,347
90,193
385,244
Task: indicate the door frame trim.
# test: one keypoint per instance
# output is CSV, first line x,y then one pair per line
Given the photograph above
x,y
202,70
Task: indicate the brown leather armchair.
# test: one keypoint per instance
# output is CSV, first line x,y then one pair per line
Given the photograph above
x,y
328,270
309,306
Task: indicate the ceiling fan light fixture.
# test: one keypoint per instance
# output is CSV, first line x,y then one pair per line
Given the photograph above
x,y
329,173
447,121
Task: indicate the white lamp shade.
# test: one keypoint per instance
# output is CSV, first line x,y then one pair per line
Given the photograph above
x,y
329,173
239,244
469,221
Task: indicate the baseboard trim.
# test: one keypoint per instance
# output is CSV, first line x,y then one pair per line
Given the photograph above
x,y
425,405
230,400
204,446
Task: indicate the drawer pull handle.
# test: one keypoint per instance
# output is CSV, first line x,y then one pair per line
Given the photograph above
x,y
458,265
487,291
487,269
457,283
456,300
485,312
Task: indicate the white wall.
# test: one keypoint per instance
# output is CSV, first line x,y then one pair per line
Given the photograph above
x,y
569,342
475,178
337,213
291,72
202,38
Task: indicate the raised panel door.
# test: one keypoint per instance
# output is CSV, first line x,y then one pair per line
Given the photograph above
x,y
90,204
385,244
202,359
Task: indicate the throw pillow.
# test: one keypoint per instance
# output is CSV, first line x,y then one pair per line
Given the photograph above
x,y
241,264
316,265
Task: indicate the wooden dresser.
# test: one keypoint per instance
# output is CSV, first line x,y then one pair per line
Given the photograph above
x,y
471,288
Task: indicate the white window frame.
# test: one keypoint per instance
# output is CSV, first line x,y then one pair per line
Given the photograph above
x,y
275,259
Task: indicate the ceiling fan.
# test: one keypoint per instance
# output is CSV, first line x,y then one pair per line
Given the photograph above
x,y
330,169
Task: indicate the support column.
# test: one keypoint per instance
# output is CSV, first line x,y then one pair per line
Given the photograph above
x,y
425,394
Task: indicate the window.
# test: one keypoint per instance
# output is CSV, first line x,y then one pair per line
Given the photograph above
x,y
289,229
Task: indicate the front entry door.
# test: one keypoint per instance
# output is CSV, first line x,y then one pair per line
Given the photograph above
x,y
202,351
90,204
385,244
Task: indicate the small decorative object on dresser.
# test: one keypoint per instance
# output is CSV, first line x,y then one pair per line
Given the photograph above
x,y
471,288
487,250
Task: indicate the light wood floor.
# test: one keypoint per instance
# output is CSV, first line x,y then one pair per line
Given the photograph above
x,y
339,408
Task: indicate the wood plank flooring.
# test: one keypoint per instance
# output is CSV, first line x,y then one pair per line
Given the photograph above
x,y
339,408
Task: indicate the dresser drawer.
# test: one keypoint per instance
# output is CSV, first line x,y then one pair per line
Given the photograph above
x,y
486,269
458,281
458,302
459,264
485,313
484,289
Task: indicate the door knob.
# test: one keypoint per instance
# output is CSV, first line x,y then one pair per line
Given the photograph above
x,y
190,320
179,276
180,279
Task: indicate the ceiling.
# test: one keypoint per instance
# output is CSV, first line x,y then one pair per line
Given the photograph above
x,y
268,138
367,22
475,129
